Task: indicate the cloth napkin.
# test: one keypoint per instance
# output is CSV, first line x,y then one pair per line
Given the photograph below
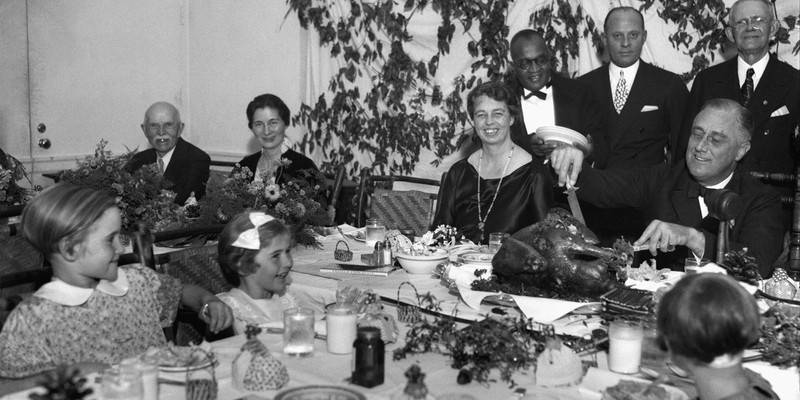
x,y
537,308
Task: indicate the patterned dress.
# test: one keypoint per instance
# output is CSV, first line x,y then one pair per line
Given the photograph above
x,y
63,324
247,310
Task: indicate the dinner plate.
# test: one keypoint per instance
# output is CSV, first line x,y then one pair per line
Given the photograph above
x,y
561,134
320,392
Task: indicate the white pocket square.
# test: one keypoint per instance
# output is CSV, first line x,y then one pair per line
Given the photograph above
x,y
649,108
781,111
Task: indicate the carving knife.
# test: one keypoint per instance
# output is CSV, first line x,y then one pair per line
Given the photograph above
x,y
572,199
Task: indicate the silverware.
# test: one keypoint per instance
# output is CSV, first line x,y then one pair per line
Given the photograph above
x,y
280,331
341,232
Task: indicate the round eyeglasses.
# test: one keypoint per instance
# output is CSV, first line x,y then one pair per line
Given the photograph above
x,y
527,63
755,22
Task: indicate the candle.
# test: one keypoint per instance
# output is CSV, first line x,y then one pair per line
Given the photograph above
x,y
625,346
341,329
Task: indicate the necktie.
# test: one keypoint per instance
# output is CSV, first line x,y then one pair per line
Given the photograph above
x,y
621,94
160,166
747,88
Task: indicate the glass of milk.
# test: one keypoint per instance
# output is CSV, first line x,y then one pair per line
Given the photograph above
x,y
625,346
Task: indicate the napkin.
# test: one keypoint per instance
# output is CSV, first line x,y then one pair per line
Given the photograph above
x,y
537,308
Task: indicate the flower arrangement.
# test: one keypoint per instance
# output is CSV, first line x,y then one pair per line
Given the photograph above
x,y
434,242
12,171
295,200
141,195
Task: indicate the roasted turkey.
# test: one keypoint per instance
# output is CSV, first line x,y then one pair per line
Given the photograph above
x,y
560,255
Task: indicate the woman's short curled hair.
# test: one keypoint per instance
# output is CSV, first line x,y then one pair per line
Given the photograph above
x,y
236,262
62,212
708,315
495,90
264,101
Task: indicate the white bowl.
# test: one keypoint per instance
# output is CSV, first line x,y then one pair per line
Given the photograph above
x,y
422,265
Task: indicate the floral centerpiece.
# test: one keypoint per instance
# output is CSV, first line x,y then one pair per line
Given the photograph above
x,y
141,195
11,172
295,201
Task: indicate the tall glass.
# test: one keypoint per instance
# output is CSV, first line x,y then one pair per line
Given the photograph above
x,y
496,241
121,383
376,232
625,346
298,332
691,264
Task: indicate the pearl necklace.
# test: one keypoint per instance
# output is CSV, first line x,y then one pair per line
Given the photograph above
x,y
482,221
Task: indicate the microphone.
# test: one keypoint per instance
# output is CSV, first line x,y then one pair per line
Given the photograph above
x,y
723,204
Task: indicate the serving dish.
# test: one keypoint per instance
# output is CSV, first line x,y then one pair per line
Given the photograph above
x,y
422,264
179,358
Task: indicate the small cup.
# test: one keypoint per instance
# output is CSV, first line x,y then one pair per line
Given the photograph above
x,y
625,346
121,383
341,326
691,264
496,241
298,332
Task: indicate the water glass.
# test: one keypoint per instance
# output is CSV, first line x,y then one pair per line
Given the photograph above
x,y
298,332
625,346
340,324
121,383
376,232
148,368
691,264
496,241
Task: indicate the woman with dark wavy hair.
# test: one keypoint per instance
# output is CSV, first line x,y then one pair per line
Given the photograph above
x,y
499,188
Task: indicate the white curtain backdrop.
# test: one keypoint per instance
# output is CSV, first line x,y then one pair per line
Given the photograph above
x,y
423,27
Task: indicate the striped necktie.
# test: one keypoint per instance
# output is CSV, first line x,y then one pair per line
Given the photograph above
x,y
160,166
747,88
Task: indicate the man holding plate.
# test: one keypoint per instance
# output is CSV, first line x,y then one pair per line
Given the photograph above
x,y
672,196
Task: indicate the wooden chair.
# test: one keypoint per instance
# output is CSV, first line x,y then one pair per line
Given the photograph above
x,y
335,181
398,209
192,265
791,255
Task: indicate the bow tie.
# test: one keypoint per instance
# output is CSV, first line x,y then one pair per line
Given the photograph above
x,y
538,93
696,190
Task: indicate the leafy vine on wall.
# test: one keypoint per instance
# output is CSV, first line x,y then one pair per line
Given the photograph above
x,y
386,105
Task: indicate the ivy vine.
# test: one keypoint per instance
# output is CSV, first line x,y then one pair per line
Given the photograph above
x,y
383,103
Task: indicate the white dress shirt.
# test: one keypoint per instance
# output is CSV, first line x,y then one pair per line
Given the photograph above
x,y
630,75
166,159
721,185
742,66
537,112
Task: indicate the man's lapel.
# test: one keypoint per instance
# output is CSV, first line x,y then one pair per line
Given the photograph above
x,y
771,88
726,84
176,162
687,209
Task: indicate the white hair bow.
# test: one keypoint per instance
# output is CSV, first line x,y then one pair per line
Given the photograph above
x,y
249,239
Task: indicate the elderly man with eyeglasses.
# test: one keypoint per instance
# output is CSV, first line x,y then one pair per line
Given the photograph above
x,y
181,163
766,86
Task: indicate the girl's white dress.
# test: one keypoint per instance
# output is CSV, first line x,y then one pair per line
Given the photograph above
x,y
247,310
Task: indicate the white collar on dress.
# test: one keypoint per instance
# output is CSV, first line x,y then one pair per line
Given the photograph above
x,y
65,294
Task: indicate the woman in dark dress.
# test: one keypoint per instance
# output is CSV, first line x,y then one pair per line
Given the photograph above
x,y
267,118
499,188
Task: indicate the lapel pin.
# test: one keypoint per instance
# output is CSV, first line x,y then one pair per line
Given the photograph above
x,y
765,102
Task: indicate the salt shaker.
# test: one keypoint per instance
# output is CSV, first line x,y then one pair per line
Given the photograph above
x,y
387,253
368,357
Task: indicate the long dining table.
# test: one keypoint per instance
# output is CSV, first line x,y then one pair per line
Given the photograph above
x,y
323,368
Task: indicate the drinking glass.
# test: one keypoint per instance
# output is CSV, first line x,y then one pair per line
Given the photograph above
x,y
376,232
625,346
496,241
691,264
298,332
121,383
341,327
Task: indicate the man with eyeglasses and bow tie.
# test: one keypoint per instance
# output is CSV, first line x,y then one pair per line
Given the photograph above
x,y
546,99
768,87
673,195
180,162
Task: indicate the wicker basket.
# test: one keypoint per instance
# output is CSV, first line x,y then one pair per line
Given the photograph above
x,y
342,255
406,312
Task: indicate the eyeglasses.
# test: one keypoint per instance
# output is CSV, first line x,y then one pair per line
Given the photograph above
x,y
167,126
756,22
526,63
272,124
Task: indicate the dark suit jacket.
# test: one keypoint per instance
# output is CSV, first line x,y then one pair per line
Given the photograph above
x,y
772,147
665,193
299,162
636,138
188,169
574,105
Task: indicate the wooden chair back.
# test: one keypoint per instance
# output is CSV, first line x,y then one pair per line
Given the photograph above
x,y
398,209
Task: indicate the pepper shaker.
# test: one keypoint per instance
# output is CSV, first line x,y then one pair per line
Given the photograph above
x,y
377,255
